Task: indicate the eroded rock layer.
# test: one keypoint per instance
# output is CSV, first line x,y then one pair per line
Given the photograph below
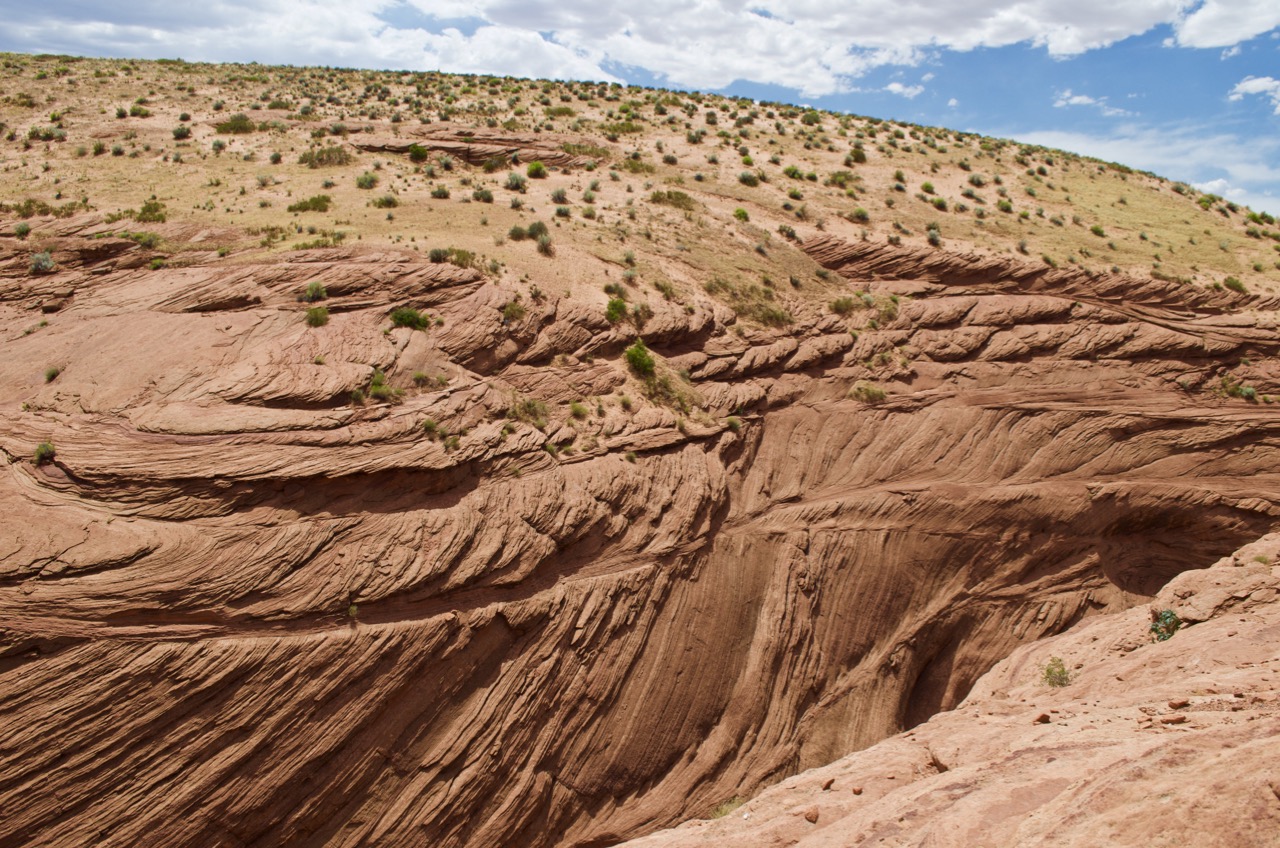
x,y
241,610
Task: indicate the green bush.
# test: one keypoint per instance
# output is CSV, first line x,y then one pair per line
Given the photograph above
x,y
407,316
418,153
1164,624
22,229
152,212
315,292
639,359
237,124
1235,285
616,310
843,305
367,180
319,203
387,201
545,247
536,171
440,192
317,316
181,132
748,178
741,214
45,452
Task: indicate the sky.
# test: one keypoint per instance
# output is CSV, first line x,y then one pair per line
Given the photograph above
x,y
1189,89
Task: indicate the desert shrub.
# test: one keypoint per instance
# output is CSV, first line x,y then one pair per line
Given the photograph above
x,y
748,178
559,196
538,229
639,359
528,410
367,180
536,171
741,214
843,305
578,410
22,229
237,124
45,452
545,247
517,233
615,310
407,316
867,392
1164,624
42,263
1055,673
387,201
152,212
515,182
318,203
440,192
860,216
324,157
51,373
482,195
418,153
513,310
317,316
1235,285
181,132
674,199
563,212
315,292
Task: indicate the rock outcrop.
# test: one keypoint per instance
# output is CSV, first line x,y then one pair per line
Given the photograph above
x,y
1141,742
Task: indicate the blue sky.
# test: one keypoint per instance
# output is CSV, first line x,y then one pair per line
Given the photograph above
x,y
1189,89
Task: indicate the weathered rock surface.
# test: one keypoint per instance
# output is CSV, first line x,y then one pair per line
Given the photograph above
x,y
241,610
1150,743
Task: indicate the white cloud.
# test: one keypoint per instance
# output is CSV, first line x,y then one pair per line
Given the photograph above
x,y
953,103
1266,86
908,91
1230,53
817,47
1067,98
1224,23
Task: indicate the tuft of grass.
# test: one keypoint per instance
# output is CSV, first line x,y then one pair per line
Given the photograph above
x,y
317,316
45,452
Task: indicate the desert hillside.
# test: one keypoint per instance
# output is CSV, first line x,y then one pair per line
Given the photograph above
x,y
416,459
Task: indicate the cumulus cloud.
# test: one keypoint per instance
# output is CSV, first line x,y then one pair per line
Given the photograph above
x,y
1268,87
1067,98
908,91
817,47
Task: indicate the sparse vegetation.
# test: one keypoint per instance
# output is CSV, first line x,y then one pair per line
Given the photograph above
x,y
1055,674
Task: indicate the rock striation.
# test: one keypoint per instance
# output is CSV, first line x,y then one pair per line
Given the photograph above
x,y
519,596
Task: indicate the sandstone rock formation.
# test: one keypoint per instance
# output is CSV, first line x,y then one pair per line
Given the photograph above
x,y
1150,742
241,610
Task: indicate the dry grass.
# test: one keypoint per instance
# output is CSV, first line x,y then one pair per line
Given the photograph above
x,y
678,246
